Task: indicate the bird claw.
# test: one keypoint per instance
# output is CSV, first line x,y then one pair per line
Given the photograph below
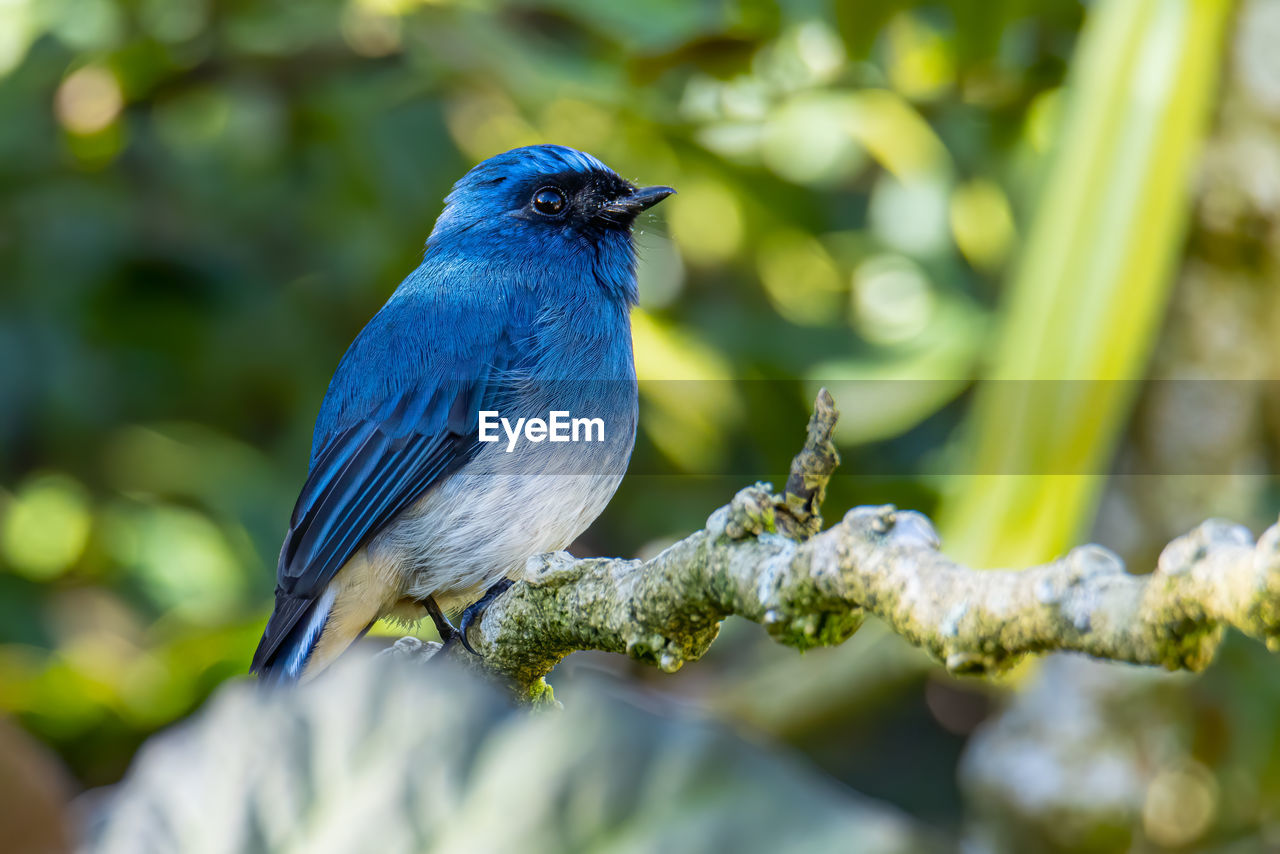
x,y
476,609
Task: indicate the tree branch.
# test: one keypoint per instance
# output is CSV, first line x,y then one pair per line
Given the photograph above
x,y
761,557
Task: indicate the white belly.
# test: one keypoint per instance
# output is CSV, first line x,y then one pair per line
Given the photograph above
x,y
483,524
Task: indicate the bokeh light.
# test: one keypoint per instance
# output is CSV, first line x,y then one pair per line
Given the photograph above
x,y
88,100
46,526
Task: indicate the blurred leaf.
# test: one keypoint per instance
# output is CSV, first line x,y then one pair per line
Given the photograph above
x,y
982,223
377,751
898,136
810,138
801,278
181,559
1092,282
689,399
653,26
921,65
706,221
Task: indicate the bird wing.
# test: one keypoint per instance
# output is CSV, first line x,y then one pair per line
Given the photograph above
x,y
376,454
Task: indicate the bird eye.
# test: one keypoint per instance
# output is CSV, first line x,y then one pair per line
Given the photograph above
x,y
549,201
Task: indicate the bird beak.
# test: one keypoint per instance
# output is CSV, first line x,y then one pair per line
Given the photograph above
x,y
640,200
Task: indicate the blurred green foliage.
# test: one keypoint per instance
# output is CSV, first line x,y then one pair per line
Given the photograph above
x,y
201,203
1084,306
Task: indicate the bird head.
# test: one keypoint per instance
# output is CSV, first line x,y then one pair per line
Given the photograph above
x,y
543,206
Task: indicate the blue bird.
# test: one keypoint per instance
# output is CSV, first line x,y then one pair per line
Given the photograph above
x,y
421,495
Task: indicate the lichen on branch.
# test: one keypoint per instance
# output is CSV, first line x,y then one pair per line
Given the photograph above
x,y
763,557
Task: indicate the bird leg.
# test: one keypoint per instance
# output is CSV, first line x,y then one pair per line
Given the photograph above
x,y
446,629
475,610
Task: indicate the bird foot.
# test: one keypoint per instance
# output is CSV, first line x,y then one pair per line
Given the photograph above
x,y
476,609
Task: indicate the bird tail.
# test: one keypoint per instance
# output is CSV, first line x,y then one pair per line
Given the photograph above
x,y
286,659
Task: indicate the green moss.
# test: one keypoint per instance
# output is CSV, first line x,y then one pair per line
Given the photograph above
x,y
540,696
752,512
1190,647
810,630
